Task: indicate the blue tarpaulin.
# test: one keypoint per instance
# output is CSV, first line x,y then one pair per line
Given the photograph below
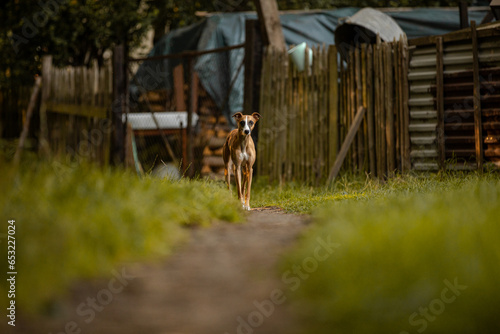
x,y
217,70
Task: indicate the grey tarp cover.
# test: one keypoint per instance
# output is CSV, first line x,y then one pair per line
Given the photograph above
x,y
216,71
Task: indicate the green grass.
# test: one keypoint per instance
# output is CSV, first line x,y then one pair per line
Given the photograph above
x,y
398,247
79,222
297,198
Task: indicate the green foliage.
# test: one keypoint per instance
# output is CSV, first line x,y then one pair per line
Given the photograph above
x,y
75,32
399,251
81,222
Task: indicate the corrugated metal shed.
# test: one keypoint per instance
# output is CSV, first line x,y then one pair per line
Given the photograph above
x,y
450,106
423,114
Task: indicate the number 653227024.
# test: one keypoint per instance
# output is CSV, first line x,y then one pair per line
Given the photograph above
x,y
11,244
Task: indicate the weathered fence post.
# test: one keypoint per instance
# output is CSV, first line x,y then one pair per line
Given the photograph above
x,y
120,104
478,125
464,14
26,127
440,103
191,110
253,69
46,82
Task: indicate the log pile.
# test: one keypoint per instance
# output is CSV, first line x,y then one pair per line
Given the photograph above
x,y
215,133
213,127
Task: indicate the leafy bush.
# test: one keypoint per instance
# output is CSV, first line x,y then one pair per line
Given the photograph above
x,y
417,256
80,222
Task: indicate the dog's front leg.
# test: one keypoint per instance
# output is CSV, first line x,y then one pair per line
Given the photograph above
x,y
249,186
237,174
244,184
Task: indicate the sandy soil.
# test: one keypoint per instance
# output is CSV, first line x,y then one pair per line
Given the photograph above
x,y
225,279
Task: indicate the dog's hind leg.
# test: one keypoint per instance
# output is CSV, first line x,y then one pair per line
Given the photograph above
x,y
227,174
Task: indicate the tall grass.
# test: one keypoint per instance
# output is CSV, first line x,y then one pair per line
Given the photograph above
x,y
414,255
297,198
79,222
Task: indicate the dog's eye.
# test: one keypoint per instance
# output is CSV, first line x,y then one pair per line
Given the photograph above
x,y
251,123
242,123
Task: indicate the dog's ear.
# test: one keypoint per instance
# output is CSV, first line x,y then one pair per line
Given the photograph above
x,y
238,116
256,115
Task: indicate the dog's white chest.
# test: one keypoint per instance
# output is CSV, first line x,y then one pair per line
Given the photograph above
x,y
244,156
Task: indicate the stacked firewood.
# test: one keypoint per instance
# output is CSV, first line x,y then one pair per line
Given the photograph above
x,y
213,127
215,133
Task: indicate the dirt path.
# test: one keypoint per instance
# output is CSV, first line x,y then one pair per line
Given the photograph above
x,y
224,280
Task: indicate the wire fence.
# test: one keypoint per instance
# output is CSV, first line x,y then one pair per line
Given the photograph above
x,y
178,110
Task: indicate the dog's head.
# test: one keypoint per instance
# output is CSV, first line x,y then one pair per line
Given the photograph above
x,y
246,122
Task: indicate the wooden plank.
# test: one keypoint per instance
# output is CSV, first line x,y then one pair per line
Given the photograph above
x,y
376,107
316,115
352,104
347,111
262,128
180,100
370,110
401,129
267,11
333,104
313,117
397,98
478,126
359,102
454,36
270,106
187,54
464,14
321,121
26,125
301,126
253,67
78,110
390,136
192,106
46,90
440,103
406,111
345,145
282,114
129,148
277,99
290,110
120,94
307,115
366,146
382,112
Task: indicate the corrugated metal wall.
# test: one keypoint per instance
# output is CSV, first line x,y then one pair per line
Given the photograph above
x,y
450,106
422,106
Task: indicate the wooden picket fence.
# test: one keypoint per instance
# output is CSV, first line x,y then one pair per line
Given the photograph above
x,y
375,77
75,111
306,115
298,134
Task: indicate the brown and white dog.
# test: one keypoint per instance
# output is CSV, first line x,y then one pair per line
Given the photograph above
x,y
239,151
